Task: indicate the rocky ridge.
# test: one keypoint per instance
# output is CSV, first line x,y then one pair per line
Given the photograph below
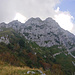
x,y
45,33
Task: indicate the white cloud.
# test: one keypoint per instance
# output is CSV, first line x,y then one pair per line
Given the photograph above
x,y
35,8
64,19
28,8
20,17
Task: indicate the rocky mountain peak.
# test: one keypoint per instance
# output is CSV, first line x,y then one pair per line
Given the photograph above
x,y
50,22
33,21
49,19
3,24
15,22
45,33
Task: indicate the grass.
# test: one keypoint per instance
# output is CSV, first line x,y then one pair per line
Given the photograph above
x,y
12,70
7,69
5,32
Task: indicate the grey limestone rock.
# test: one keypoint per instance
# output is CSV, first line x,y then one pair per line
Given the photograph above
x,y
45,33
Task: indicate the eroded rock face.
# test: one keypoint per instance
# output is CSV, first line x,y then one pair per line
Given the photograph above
x,y
45,33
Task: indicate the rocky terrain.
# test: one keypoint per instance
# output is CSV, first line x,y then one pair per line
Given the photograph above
x,y
45,33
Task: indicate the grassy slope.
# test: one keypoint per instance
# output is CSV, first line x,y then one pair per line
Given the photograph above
x,y
66,62
7,69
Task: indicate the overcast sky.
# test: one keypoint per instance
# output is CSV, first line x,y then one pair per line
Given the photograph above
x,y
61,10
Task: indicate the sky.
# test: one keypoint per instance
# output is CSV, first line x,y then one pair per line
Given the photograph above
x,y
62,11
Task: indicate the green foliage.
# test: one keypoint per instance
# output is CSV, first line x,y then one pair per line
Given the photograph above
x,y
10,46
66,62
21,43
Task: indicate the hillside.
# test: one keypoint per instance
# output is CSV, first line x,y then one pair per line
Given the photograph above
x,y
31,45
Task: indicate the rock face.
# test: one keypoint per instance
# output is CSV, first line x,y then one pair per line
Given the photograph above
x,y
4,39
45,33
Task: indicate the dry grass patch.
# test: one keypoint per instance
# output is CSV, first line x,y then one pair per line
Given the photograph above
x,y
12,70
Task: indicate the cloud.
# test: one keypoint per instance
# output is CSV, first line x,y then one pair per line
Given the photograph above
x,y
64,19
20,18
35,8
28,8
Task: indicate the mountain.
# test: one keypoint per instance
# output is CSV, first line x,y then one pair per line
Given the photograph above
x,y
45,33
38,43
